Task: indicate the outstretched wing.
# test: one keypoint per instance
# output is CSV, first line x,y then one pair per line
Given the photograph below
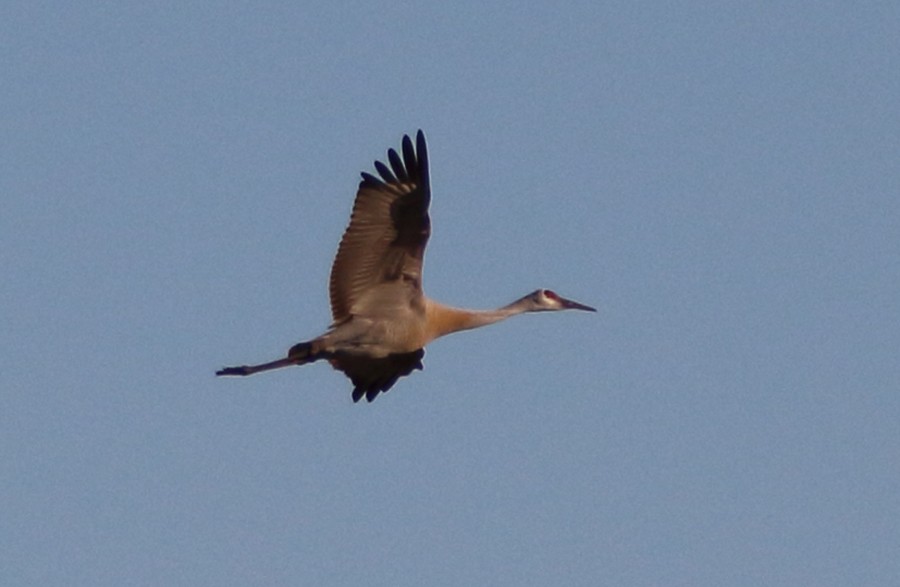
x,y
384,245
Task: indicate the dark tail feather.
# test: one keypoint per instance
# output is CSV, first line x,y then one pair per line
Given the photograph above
x,y
373,376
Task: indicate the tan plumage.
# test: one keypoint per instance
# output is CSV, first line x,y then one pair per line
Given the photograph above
x,y
381,318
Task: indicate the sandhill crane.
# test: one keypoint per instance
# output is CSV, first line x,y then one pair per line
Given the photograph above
x,y
381,318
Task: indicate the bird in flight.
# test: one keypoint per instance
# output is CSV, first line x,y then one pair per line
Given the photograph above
x,y
382,320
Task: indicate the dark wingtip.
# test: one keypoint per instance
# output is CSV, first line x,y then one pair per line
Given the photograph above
x,y
409,163
422,155
370,180
384,172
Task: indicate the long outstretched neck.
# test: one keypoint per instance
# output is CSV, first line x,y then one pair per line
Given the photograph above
x,y
444,320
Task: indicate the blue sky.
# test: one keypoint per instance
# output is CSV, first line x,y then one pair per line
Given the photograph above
x,y
720,181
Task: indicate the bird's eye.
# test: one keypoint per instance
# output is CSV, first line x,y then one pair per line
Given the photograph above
x,y
551,294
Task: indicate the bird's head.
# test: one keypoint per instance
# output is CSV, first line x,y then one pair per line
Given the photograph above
x,y
545,300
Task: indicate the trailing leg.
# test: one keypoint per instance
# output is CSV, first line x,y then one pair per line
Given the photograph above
x,y
251,369
299,354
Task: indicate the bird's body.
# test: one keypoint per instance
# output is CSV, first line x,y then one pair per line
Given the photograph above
x,y
381,318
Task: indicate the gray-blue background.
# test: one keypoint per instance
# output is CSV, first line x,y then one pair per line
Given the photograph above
x,y
722,180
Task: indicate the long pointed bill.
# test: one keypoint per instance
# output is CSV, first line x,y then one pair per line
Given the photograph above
x,y
570,305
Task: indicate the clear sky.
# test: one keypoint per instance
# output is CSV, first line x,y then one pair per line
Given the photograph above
x,y
722,181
